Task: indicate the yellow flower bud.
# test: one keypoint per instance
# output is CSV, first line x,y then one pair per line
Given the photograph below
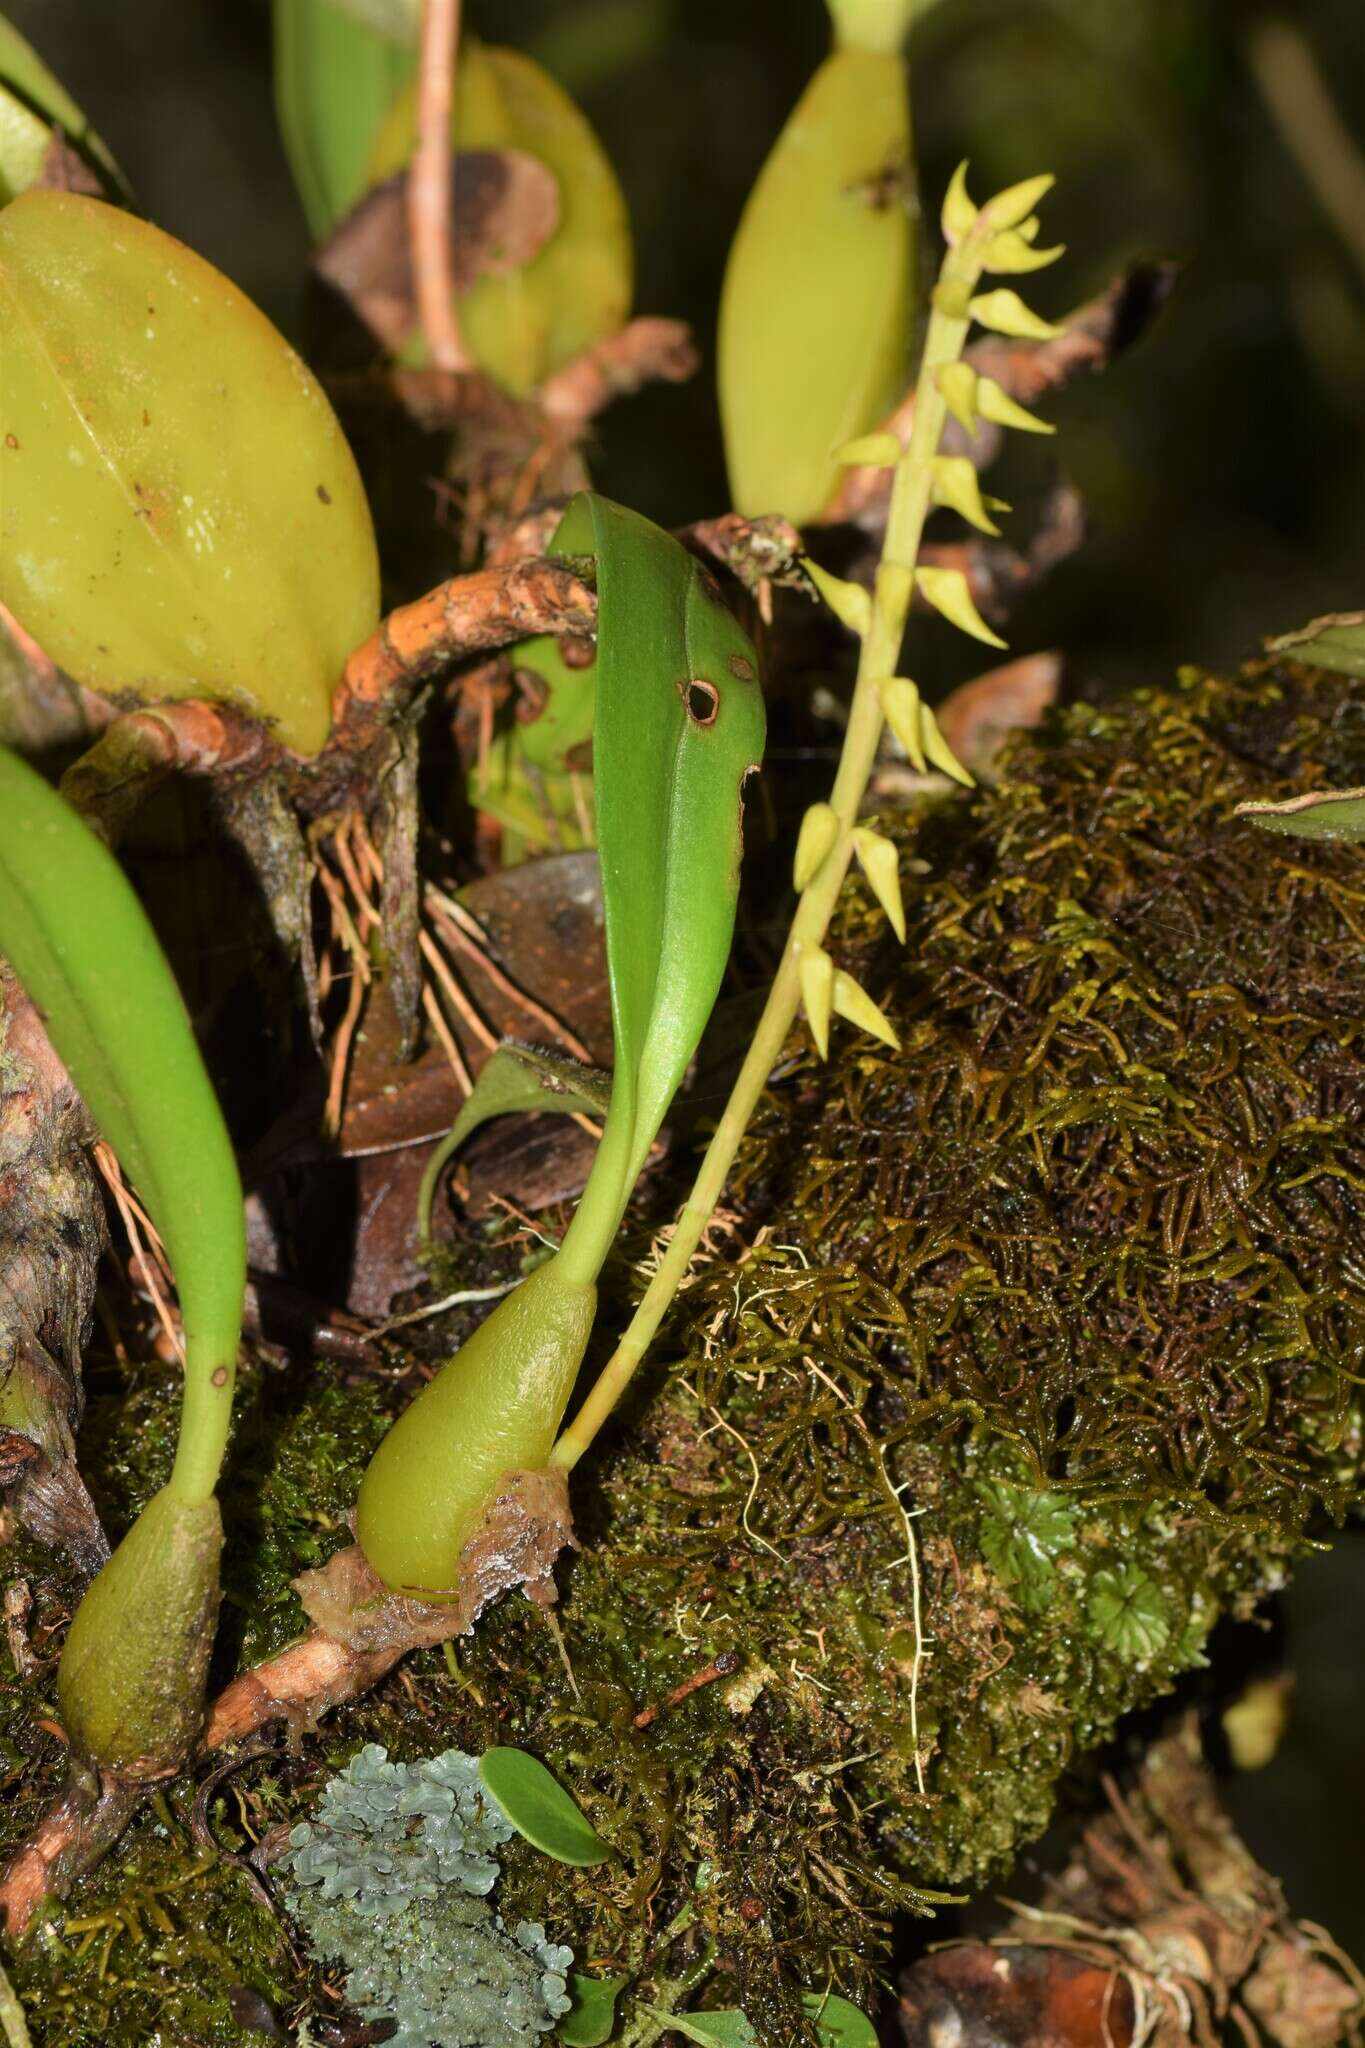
x,y
849,602
814,843
955,484
858,1007
946,590
880,862
997,406
816,971
1005,313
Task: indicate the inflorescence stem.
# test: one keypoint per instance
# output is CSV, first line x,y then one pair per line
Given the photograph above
x,y
893,585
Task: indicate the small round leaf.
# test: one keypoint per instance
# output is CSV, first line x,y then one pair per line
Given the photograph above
x,y
839,2024
538,1807
593,2015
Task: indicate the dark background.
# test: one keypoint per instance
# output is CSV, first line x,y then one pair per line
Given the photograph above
x,y
1222,462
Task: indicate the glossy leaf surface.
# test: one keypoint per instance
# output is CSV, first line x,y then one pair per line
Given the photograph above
x,y
816,306
81,943
1322,814
577,288
32,104
516,1078
679,725
539,1808
590,2023
180,515
1336,641
492,1409
337,70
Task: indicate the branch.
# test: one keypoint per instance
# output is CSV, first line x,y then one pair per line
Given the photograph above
x,y
641,352
469,615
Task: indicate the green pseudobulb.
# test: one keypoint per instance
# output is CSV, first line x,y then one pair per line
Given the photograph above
x,y
816,306
494,1409
131,1684
180,515
528,322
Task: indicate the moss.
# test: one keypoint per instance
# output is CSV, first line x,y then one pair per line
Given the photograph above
x,y
1069,1288
161,1943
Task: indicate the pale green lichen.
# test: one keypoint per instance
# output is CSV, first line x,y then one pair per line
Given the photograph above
x,y
392,1879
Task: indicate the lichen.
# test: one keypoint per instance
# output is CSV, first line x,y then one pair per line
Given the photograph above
x,y
392,1878
1068,1290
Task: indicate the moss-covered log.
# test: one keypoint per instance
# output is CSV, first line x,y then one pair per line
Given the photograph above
x,y
1062,1305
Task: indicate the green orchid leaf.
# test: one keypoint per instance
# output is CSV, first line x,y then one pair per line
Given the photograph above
x,y
838,2023
336,75
32,104
80,942
576,289
538,1807
679,725
1335,641
180,515
593,2015
516,1077
1337,814
724,2029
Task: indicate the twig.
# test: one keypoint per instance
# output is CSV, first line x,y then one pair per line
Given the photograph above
x,y
431,210
468,615
641,352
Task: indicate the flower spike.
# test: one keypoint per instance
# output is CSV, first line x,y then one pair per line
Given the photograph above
x,y
854,1003
997,406
816,971
849,602
955,484
959,214
815,842
880,862
1004,312
946,590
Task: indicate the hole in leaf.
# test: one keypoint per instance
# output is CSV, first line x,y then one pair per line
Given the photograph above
x,y
701,698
